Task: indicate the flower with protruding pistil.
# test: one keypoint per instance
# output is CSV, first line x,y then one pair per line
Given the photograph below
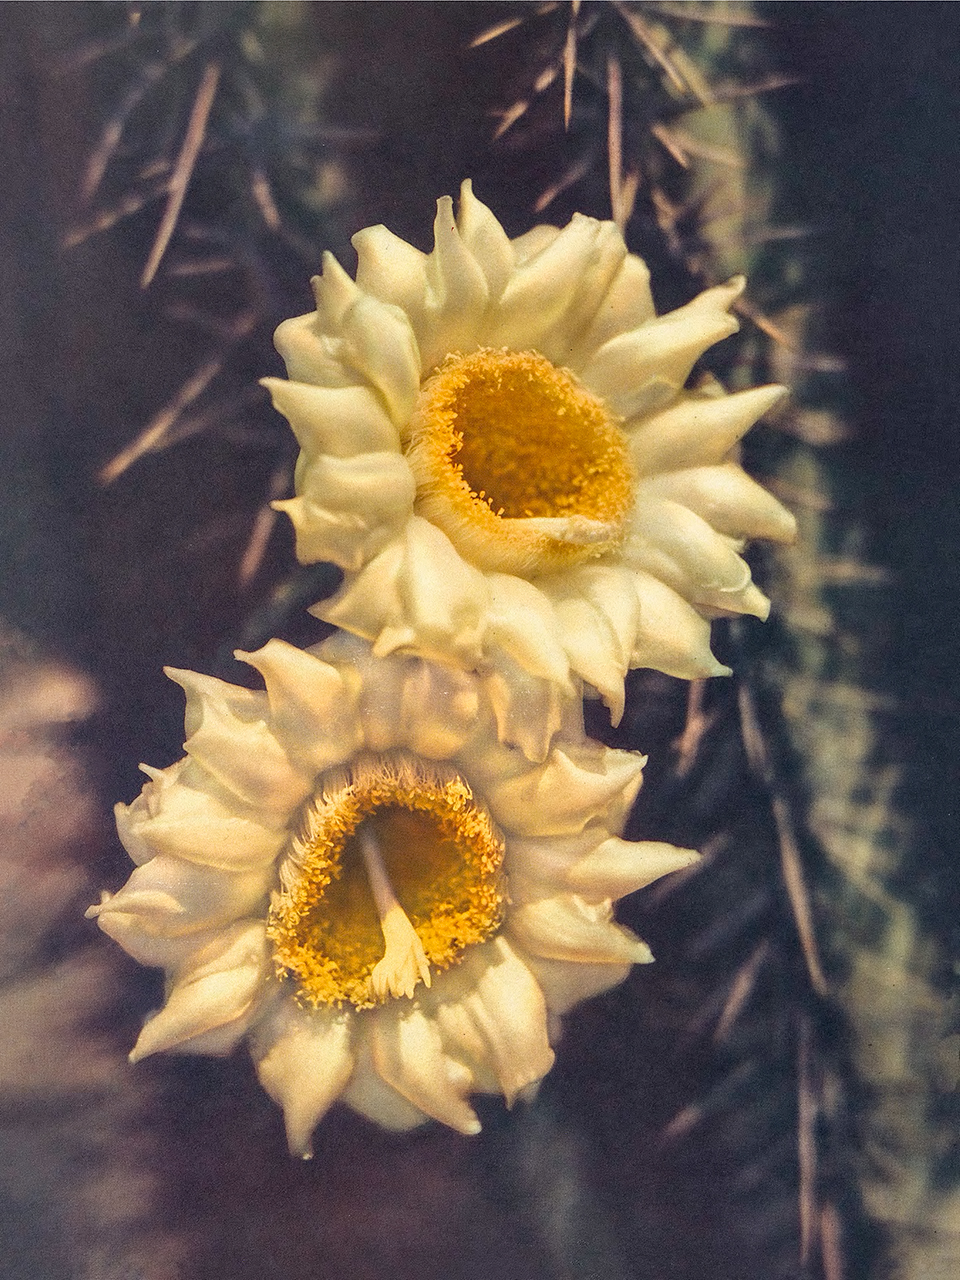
x,y
498,448
352,872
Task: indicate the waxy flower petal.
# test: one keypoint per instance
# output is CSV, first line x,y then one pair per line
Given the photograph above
x,y
492,1015
213,997
185,812
303,1060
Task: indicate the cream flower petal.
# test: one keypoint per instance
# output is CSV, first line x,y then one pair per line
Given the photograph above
x,y
671,637
376,487
126,817
459,290
139,851
594,865
368,1093
565,339
429,709
492,1015
438,710
618,867
188,815
672,543
408,1053
228,736
311,355
628,305
218,992
353,335
700,428
662,350
349,508
390,269
607,588
570,928
334,293
728,500
532,242
546,860
208,697
564,794
592,652
445,293
417,594
566,985
174,897
379,344
380,712
328,535
548,287
304,1059
522,623
486,240
313,706
340,421
146,946
599,613
528,709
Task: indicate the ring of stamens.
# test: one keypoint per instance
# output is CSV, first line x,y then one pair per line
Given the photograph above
x,y
395,871
520,465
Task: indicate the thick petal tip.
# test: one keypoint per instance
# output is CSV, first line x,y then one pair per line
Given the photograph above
x,y
756,603
139,1051
642,953
788,531
92,912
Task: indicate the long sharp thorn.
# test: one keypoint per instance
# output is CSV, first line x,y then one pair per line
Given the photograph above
x,y
183,169
262,527
491,33
156,435
807,1114
791,861
646,37
615,137
570,63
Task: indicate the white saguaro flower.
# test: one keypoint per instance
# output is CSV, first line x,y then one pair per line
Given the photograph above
x,y
350,871
498,448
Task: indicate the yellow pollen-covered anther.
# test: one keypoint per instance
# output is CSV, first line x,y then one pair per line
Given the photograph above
x,y
396,870
521,466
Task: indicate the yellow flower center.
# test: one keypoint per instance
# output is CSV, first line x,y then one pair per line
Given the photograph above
x,y
395,871
524,469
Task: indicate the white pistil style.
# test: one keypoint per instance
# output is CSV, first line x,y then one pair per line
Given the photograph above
x,y
404,961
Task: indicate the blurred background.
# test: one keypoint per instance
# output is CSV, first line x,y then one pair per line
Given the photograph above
x,y
777,1096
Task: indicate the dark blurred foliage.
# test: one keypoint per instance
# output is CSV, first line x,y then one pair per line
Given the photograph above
x,y
708,1118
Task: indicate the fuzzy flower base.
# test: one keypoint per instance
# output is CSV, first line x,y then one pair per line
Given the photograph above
x,y
352,873
499,449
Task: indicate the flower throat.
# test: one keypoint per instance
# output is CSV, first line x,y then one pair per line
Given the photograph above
x,y
395,872
503,437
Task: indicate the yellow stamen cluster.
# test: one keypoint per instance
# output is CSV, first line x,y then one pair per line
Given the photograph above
x,y
439,848
502,438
